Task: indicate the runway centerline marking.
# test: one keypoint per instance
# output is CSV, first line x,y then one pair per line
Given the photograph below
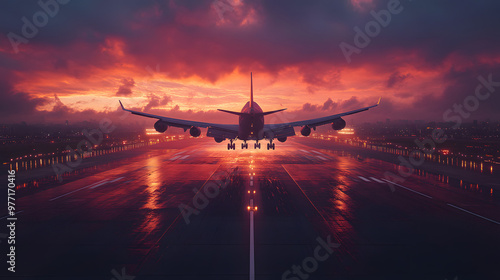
x,y
320,157
184,157
252,244
364,179
430,197
174,158
472,213
91,185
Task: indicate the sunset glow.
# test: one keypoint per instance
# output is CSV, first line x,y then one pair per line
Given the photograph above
x,y
186,60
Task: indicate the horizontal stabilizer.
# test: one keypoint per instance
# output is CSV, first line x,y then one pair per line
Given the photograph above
x,y
272,112
231,112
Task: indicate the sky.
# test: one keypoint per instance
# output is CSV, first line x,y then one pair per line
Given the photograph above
x,y
73,60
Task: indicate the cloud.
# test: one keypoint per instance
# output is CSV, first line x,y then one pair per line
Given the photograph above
x,y
126,86
156,101
396,79
88,46
329,105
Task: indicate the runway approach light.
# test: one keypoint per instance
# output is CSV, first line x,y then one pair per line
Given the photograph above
x,y
249,208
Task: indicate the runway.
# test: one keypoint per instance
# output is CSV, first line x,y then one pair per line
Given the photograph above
x,y
319,212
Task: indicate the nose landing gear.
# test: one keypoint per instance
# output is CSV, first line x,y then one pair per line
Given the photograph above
x,y
256,145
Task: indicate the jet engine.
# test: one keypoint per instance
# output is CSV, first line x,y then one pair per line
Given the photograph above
x,y
282,139
305,131
161,126
338,124
194,131
218,139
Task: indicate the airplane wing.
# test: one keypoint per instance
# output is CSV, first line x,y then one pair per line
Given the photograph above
x,y
286,129
225,131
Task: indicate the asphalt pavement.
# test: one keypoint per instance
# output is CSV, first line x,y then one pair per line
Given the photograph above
x,y
307,210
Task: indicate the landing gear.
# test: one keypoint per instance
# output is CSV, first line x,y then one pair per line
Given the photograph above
x,y
231,145
271,145
244,145
256,145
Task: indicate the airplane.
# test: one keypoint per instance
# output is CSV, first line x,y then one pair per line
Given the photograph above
x,y
251,125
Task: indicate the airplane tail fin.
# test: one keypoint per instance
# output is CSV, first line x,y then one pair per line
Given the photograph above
x,y
251,90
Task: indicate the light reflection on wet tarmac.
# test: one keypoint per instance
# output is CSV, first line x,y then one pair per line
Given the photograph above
x,y
153,241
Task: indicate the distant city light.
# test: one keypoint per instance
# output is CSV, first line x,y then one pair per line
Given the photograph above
x,y
151,131
346,131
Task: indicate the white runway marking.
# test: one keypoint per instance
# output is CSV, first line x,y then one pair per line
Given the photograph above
x,y
252,245
91,185
320,157
376,180
117,179
251,183
477,215
364,179
304,151
184,157
98,185
178,153
174,158
408,189
318,153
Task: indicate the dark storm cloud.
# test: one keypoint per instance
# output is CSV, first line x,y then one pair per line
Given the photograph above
x,y
184,37
14,103
396,79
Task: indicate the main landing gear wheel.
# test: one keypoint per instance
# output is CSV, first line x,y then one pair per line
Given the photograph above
x,y
244,145
231,146
256,145
271,146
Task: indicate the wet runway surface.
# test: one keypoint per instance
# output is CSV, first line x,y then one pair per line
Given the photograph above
x,y
181,211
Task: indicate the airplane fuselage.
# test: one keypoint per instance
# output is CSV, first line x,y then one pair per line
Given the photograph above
x,y
251,122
